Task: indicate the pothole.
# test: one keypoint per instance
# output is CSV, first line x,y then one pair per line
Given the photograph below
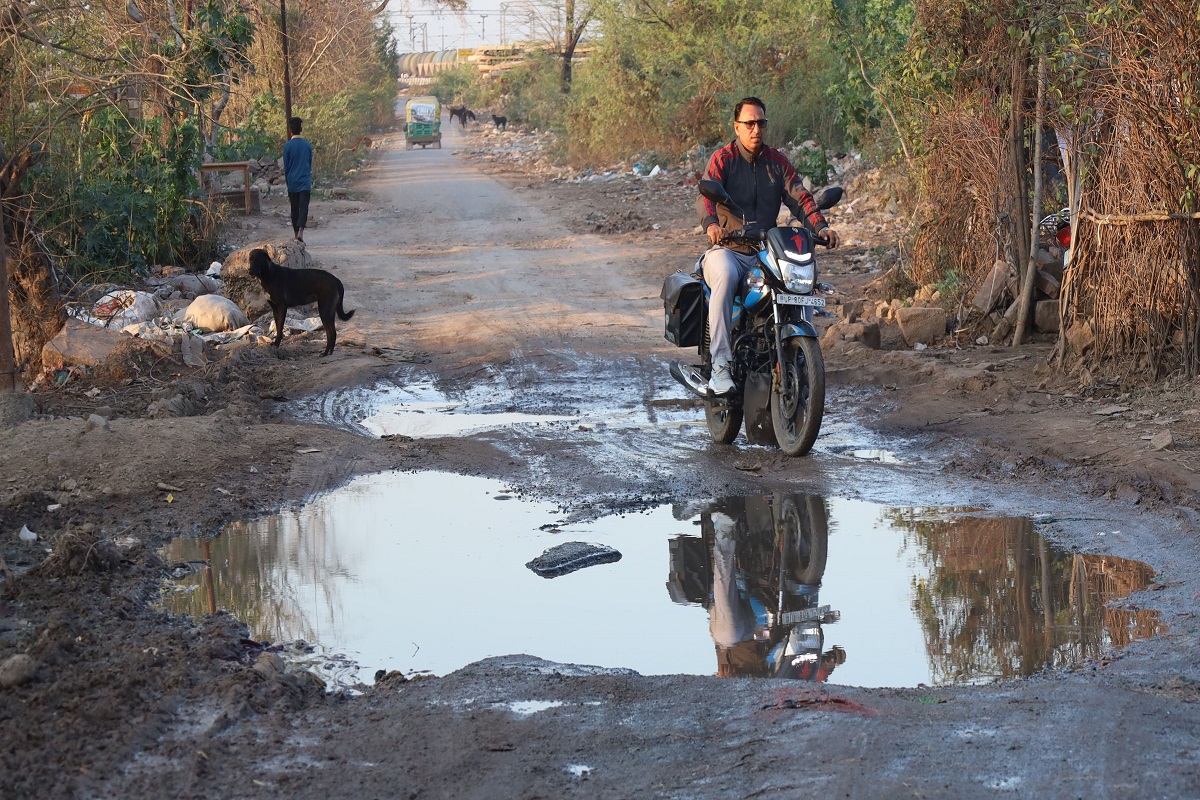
x,y
427,572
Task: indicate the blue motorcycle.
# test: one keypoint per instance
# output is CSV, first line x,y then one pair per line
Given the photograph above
x,y
777,364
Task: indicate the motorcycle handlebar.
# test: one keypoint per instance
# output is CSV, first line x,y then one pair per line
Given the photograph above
x,y
756,235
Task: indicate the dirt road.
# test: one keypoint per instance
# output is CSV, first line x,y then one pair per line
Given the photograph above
x,y
469,268
479,282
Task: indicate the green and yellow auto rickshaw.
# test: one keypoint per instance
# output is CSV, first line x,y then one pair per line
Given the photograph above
x,y
423,122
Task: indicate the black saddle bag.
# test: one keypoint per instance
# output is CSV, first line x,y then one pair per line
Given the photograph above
x,y
683,304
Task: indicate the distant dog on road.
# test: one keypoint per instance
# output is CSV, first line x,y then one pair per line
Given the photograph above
x,y
287,287
500,122
462,114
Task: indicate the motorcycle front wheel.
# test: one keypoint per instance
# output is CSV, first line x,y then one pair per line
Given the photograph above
x,y
723,418
799,403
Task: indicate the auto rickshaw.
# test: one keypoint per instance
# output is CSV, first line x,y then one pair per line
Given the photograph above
x,y
423,122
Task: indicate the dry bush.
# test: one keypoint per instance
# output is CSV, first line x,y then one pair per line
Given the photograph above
x,y
1136,267
961,184
77,550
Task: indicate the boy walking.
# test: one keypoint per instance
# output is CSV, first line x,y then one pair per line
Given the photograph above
x,y
297,169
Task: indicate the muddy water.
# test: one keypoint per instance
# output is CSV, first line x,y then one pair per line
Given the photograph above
x,y
426,572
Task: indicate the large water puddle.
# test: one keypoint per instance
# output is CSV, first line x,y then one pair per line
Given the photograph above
x,y
427,572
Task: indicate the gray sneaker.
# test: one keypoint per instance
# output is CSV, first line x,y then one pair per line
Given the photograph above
x,y
721,381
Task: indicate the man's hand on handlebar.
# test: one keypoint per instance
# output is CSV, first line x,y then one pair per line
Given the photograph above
x,y
828,237
715,233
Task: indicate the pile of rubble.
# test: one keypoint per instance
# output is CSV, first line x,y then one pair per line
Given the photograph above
x,y
194,316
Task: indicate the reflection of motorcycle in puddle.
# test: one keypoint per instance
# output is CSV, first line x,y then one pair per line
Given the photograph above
x,y
757,567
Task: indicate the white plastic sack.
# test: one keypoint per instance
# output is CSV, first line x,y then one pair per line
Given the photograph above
x,y
212,312
125,307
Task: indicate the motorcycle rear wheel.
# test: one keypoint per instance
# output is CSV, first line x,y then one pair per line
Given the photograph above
x,y
723,425
799,403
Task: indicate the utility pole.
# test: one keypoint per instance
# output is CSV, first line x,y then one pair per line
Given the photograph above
x,y
287,74
503,21
483,28
443,30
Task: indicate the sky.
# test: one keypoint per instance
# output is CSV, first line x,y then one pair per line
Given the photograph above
x,y
484,23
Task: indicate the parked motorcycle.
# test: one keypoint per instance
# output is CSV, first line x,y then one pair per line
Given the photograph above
x,y
778,370
1054,237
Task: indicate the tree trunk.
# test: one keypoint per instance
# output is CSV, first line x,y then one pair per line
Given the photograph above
x,y
8,363
567,55
1018,226
1026,300
287,72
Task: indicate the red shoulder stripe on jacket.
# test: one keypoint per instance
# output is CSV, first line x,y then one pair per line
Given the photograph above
x,y
716,170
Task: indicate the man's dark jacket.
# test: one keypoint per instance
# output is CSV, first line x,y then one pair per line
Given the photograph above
x,y
758,184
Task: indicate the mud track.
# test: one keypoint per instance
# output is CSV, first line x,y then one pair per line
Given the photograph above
x,y
478,279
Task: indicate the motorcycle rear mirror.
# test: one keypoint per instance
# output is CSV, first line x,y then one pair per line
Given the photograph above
x,y
828,197
713,191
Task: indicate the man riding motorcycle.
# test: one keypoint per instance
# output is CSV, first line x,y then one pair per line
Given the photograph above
x,y
758,178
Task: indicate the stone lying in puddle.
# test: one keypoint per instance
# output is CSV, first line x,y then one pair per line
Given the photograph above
x,y
571,556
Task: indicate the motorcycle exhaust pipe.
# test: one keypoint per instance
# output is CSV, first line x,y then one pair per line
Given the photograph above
x,y
691,380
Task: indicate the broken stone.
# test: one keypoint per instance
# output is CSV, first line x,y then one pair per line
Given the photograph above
x,y
1163,440
269,665
96,422
17,670
79,344
1045,316
865,332
890,337
1080,338
1046,283
992,292
190,282
1110,410
851,310
192,348
922,325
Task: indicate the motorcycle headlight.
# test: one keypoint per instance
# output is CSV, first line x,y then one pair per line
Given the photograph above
x,y
798,277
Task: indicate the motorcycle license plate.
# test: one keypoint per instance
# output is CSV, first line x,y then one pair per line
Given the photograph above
x,y
800,300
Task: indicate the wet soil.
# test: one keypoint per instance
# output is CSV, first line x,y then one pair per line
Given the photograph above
x,y
476,275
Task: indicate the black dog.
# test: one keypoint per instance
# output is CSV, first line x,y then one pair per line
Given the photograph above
x,y
462,114
287,287
500,122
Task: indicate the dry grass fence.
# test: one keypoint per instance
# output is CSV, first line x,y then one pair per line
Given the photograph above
x,y
1132,117
1135,279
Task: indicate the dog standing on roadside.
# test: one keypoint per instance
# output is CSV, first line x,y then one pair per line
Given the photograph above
x,y
287,287
500,122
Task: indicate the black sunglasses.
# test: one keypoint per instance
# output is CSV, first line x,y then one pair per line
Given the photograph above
x,y
752,123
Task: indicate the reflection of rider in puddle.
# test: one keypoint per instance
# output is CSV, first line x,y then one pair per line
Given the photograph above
x,y
763,611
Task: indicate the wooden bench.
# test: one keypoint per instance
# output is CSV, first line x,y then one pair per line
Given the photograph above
x,y
233,166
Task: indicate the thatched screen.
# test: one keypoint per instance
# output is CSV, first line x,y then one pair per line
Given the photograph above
x,y
1135,277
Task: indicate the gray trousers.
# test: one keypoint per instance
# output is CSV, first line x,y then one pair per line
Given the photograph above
x,y
723,270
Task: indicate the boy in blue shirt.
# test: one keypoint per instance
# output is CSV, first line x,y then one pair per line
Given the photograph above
x,y
297,169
